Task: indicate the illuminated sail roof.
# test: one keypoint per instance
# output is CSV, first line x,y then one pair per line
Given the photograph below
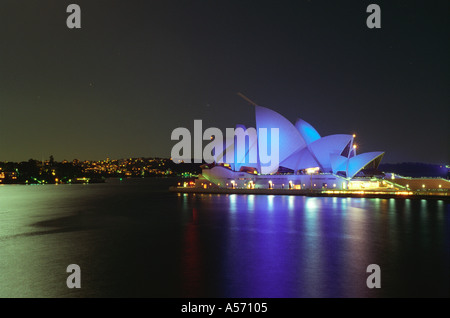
x,y
307,131
302,147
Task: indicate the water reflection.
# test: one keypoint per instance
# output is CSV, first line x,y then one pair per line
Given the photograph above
x,y
270,199
193,283
170,245
251,203
288,246
233,198
291,204
310,272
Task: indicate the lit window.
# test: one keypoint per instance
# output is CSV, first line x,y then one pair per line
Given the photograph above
x,y
312,170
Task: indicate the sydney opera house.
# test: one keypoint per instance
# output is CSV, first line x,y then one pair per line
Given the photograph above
x,y
306,159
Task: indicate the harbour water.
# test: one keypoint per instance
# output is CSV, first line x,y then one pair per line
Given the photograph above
x,y
134,238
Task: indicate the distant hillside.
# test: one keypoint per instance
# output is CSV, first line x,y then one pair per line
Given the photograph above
x,y
417,169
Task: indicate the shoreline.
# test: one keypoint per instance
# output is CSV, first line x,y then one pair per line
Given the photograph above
x,y
315,193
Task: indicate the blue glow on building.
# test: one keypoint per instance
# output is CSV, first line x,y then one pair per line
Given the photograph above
x,y
301,148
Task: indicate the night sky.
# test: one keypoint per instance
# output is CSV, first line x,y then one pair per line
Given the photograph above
x,y
136,70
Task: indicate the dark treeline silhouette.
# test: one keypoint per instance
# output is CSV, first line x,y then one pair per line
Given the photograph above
x,y
417,169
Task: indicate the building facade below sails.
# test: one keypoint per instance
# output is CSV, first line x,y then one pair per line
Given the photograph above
x,y
306,160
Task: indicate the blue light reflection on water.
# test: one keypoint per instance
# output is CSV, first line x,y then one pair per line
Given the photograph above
x,y
287,246
136,239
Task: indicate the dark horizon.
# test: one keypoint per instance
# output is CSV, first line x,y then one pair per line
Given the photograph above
x,y
118,86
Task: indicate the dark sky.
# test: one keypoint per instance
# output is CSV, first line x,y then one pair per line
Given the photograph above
x,y
136,70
